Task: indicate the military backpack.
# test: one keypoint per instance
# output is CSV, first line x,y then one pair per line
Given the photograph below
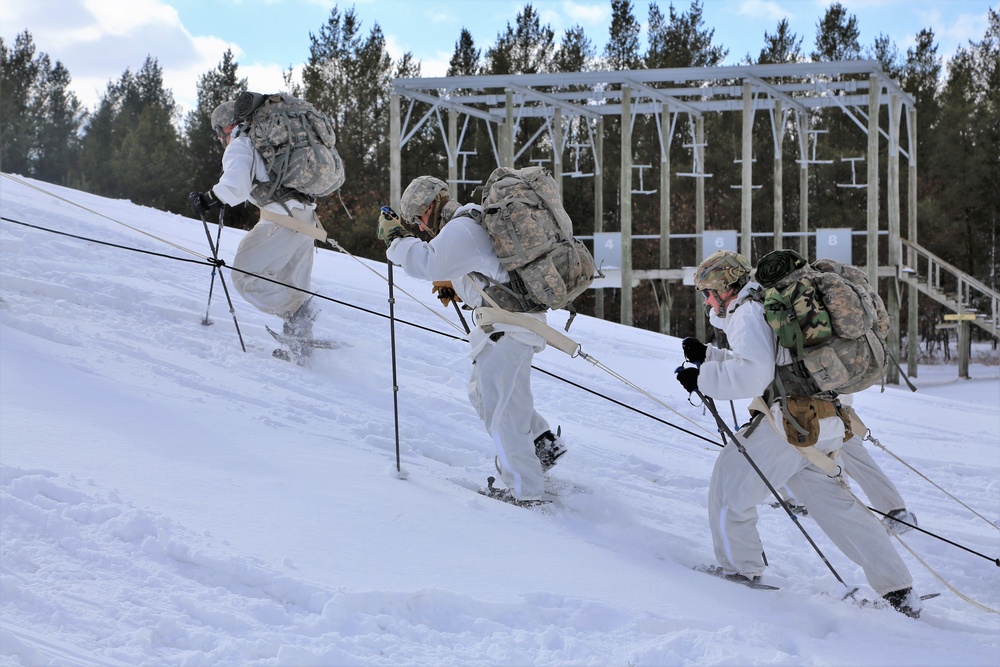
x,y
831,320
297,142
533,236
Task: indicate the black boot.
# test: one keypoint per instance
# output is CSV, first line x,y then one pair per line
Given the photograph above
x,y
904,601
548,449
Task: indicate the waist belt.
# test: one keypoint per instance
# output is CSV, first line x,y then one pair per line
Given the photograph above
x,y
294,224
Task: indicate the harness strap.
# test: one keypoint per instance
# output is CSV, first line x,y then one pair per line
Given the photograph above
x,y
826,463
294,224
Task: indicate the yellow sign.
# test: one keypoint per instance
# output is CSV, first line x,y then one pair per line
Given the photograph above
x,y
951,317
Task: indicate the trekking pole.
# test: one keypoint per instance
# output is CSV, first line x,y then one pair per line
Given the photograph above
x,y
739,445
392,345
458,310
211,286
222,279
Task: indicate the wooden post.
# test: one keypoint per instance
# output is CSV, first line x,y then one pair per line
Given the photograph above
x,y
779,194
625,198
699,214
599,201
557,145
895,245
802,122
746,191
453,154
394,157
665,299
874,88
964,344
507,150
912,293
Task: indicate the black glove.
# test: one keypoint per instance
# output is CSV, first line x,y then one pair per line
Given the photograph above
x,y
694,350
203,202
688,377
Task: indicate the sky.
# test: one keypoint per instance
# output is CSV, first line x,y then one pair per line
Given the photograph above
x,y
97,39
169,499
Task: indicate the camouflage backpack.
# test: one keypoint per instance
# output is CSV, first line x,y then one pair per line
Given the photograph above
x,y
297,143
533,237
831,320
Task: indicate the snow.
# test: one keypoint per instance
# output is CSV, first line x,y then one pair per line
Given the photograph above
x,y
168,499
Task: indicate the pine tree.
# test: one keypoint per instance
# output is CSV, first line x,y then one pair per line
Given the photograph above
x,y
622,49
681,41
837,35
524,48
965,158
885,51
348,76
39,116
784,46
132,149
465,60
921,78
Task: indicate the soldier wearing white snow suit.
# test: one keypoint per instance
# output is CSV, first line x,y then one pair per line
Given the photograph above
x,y
858,463
500,384
270,249
746,371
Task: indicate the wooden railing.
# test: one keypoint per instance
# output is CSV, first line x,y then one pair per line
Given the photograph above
x,y
950,286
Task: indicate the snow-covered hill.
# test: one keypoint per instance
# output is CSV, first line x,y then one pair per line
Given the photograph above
x,y
168,499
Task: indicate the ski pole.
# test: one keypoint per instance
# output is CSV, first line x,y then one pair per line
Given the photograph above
x,y
215,248
392,345
458,310
739,445
222,279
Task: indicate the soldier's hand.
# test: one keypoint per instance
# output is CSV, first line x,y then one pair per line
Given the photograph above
x,y
694,350
203,202
445,291
390,227
688,377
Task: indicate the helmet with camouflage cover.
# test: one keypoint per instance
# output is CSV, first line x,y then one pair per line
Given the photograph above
x,y
223,116
722,271
422,193
720,278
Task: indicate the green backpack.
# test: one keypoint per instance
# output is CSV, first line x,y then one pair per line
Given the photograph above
x,y
830,319
297,142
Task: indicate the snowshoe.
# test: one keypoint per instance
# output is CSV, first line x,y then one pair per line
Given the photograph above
x,y
504,495
736,577
299,349
900,521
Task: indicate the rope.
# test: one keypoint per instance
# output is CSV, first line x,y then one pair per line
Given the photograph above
x,y
106,217
204,259
921,560
870,438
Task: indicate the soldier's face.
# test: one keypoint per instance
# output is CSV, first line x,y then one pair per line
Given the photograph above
x,y
226,134
717,301
425,220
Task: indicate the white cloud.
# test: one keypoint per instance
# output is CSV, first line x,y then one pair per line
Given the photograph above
x,y
114,19
266,78
965,27
587,14
763,9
